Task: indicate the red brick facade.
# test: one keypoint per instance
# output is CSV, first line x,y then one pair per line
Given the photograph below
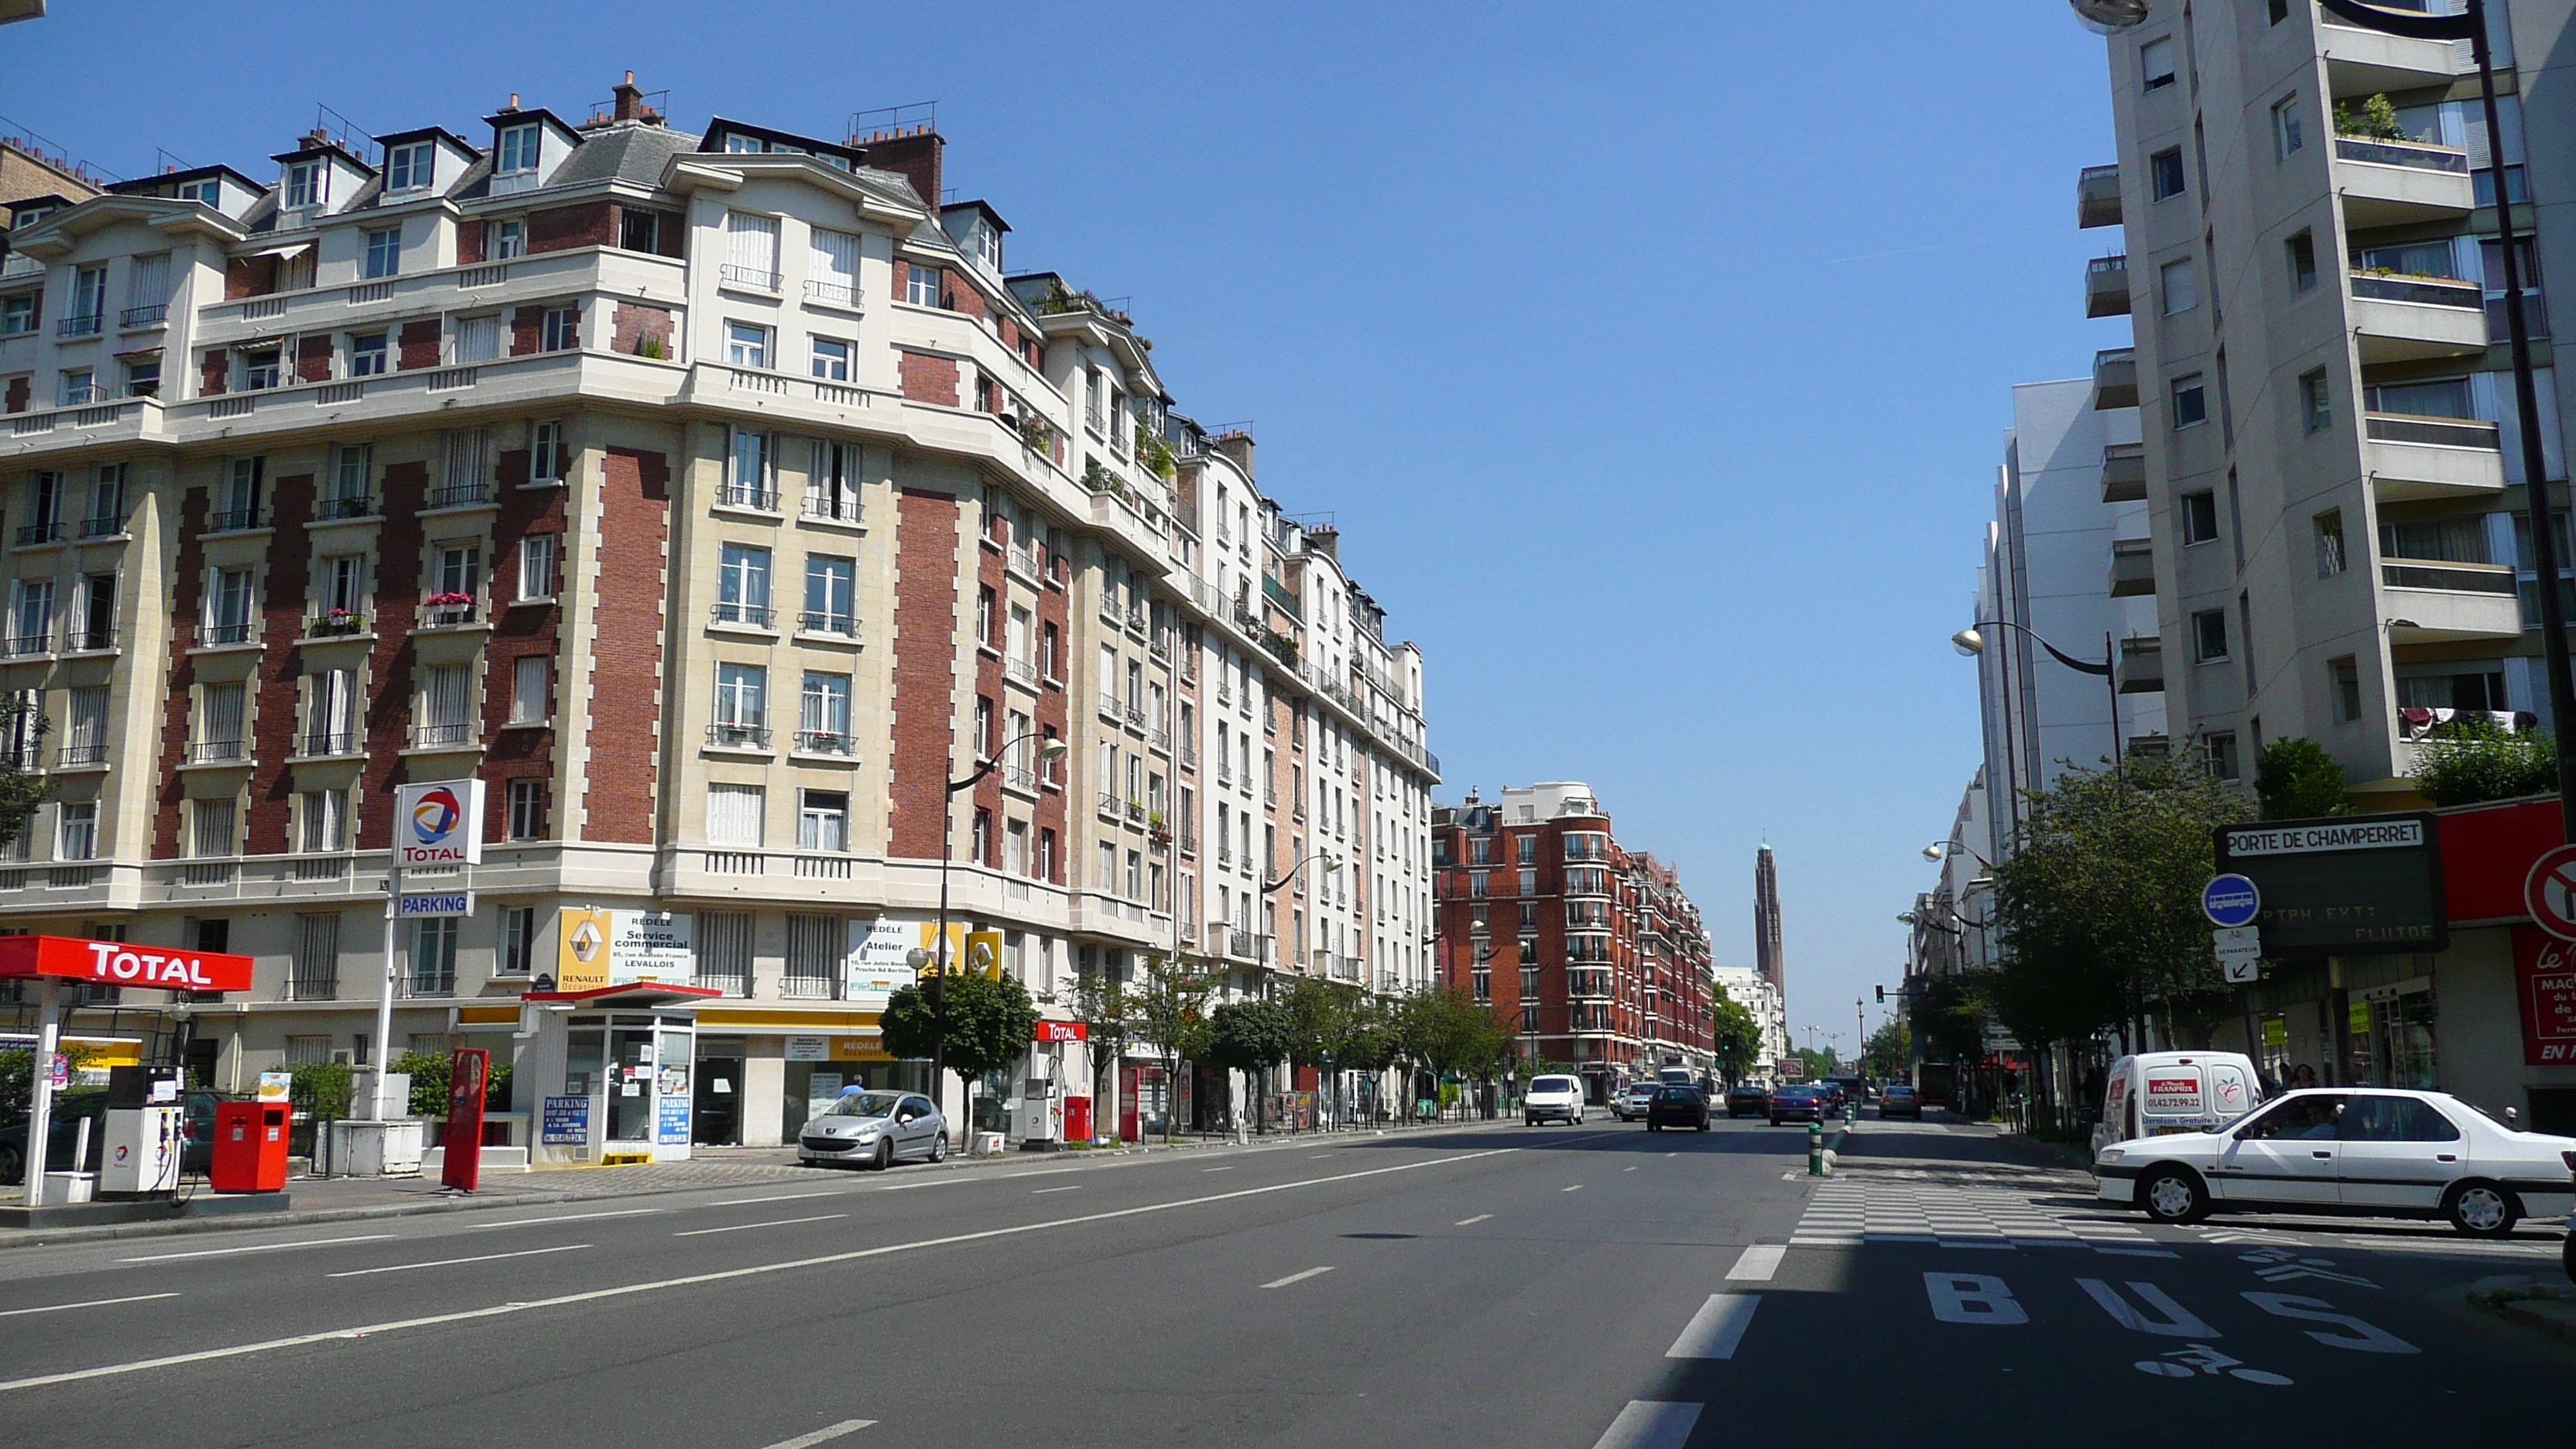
x,y
268,825
187,609
633,322
399,540
592,224
928,379
925,669
519,630
619,788
419,344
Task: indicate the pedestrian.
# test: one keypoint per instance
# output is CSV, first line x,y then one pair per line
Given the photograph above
x,y
2301,1076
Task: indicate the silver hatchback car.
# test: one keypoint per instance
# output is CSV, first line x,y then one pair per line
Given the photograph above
x,y
871,1128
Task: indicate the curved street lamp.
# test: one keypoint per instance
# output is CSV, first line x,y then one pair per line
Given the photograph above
x,y
1050,750
1972,644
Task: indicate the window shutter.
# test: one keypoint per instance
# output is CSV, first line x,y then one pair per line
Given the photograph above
x,y
751,241
836,258
734,815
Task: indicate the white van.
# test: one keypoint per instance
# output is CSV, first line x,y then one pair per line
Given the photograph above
x,y
1553,1098
2154,1093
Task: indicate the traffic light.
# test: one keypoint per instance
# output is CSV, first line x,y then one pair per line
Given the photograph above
x,y
1882,992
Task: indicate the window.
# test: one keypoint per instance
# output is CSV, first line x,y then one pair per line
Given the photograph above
x,y
17,314
2156,63
2330,549
76,830
734,815
2199,517
2221,751
324,822
2190,401
86,740
88,300
2164,174
2302,253
832,482
330,713
446,696
561,329
2289,134
343,582
746,344
2180,284
814,947
407,168
2209,635
742,703
433,956
2316,402
823,713
80,387
751,250
830,585
724,951
211,825
518,150
2346,673
545,453
639,231
747,463
527,809
519,941
742,585
2275,11
832,267
259,368
531,689
227,607
367,354
922,285
831,359
2445,397
460,568
303,186
384,252
537,566
478,339
314,974
506,239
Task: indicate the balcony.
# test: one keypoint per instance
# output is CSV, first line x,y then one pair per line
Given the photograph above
x,y
224,633
461,495
2410,319
2432,601
2133,568
2097,196
738,735
2411,458
2124,472
22,646
327,745
2401,183
826,742
2106,287
233,520
2142,665
748,616
134,318
752,277
2115,378
30,535
102,527
449,611
2368,62
334,624
840,625
75,757
345,506
452,736
218,752
83,326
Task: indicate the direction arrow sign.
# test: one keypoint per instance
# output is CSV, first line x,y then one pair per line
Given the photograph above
x,y
2230,900
2240,952
2549,892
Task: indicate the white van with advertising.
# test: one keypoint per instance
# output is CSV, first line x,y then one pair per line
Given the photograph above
x,y
2156,1093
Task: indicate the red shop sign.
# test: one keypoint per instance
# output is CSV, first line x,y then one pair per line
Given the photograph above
x,y
1063,1031
2544,981
119,963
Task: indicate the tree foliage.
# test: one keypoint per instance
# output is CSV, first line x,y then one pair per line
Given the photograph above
x,y
429,1080
1168,1006
1738,1039
2098,903
1950,1017
1889,1050
988,1023
2297,780
1250,1036
1100,1002
2474,761
1820,1062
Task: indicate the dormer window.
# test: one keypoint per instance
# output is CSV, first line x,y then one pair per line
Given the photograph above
x,y
518,150
408,168
988,244
208,191
922,285
304,186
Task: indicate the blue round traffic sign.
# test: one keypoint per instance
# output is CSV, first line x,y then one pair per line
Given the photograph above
x,y
2230,900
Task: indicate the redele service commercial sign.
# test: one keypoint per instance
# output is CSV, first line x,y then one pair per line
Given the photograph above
x,y
2349,885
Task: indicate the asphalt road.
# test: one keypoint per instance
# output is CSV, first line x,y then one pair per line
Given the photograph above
x,y
1499,1286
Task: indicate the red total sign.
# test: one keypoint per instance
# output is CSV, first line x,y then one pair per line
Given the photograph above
x,y
120,963
2549,892
1049,1031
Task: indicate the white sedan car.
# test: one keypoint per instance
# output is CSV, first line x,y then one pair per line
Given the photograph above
x,y
2357,1150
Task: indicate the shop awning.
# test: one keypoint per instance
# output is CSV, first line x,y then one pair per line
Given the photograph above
x,y
287,250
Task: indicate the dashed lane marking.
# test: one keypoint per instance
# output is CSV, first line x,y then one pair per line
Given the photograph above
x,y
258,1248
1646,1424
1043,1191
452,1262
1578,1187
1471,1222
824,1435
1717,1328
1757,1263
94,1303
775,1197
1296,1278
773,1223
561,1218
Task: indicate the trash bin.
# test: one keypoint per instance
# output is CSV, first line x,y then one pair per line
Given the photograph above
x,y
1077,1119
250,1147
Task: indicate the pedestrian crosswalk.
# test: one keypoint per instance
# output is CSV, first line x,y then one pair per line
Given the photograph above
x,y
1851,1214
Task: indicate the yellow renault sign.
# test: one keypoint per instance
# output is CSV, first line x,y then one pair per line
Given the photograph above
x,y
581,964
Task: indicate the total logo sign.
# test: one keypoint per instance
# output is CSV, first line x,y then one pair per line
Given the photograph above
x,y
439,822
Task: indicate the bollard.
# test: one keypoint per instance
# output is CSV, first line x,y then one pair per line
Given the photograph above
x,y
1851,1115
1816,1149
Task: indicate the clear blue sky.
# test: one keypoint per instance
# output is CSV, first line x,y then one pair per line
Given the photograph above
x,y
1654,358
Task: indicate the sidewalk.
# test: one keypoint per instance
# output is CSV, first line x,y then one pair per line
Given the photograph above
x,y
357,1199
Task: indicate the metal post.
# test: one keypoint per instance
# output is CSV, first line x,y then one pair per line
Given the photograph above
x,y
2111,677
40,1117
939,980
1816,1147
382,1110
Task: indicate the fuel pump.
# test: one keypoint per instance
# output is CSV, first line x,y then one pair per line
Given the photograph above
x,y
141,1151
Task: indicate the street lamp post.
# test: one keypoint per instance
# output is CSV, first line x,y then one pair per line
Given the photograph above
x,y
1050,750
1971,643
1325,861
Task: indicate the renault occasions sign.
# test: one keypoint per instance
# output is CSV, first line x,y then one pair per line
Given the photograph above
x,y
2351,885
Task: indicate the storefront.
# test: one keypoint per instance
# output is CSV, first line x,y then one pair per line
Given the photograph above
x,y
613,1068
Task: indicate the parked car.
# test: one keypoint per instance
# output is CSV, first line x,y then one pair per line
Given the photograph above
x,y
62,1134
1553,1099
1834,1096
1899,1099
1630,1105
871,1128
1748,1097
2154,1093
1677,1107
2364,1151
1797,1102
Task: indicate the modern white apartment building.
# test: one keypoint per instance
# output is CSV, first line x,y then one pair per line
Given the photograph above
x,y
717,501
2332,470
1744,985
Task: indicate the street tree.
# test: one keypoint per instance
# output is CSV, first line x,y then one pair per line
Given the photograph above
x,y
985,1023
2296,779
1252,1037
1168,1006
1889,1049
1100,1002
1737,1042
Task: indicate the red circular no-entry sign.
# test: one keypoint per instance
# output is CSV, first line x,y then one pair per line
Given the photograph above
x,y
2549,892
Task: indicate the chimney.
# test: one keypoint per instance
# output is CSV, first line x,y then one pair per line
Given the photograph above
x,y
912,155
315,139
1322,538
630,100
1235,444
514,102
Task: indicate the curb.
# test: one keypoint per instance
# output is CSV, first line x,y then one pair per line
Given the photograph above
x,y
58,1237
2553,1314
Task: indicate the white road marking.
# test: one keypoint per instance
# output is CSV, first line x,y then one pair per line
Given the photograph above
x,y
1216,1169
452,1262
1627,1169
261,1248
1296,1278
1318,1157
823,1435
1757,1263
790,1265
778,1197
775,1223
1645,1424
1717,1328
1578,1187
1972,1298
1672,1154
93,1303
564,1218
1043,1191
1471,1222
